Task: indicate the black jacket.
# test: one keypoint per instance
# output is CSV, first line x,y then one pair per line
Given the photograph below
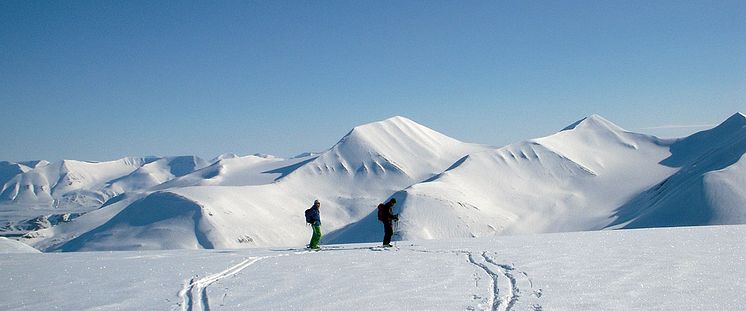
x,y
314,216
386,212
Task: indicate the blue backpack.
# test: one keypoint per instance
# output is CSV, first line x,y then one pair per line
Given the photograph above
x,y
309,216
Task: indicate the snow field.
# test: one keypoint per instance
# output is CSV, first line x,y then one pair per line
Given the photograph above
x,y
692,268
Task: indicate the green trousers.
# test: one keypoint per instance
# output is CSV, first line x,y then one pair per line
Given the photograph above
x,y
316,238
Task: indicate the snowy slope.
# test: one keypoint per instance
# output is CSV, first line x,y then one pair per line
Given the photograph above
x,y
154,173
230,204
8,246
52,238
76,184
235,171
67,183
591,175
45,194
570,181
8,170
653,269
707,189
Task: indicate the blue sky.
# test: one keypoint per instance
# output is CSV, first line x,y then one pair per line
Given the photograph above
x,y
101,80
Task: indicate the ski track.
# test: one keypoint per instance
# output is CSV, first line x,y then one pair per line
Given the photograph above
x,y
511,297
194,293
493,301
499,301
518,282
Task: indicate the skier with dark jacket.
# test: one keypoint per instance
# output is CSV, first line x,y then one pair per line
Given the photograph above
x,y
386,216
313,217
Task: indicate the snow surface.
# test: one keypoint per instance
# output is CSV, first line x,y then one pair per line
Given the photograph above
x,y
8,246
688,268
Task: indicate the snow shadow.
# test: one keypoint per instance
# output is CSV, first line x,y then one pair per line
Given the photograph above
x,y
681,199
366,230
286,170
182,165
161,220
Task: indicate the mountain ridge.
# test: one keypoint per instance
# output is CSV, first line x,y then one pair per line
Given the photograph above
x,y
584,177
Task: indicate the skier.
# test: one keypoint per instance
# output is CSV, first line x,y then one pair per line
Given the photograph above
x,y
313,217
386,216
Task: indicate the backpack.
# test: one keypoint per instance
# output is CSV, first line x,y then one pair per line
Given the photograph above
x,y
309,216
382,212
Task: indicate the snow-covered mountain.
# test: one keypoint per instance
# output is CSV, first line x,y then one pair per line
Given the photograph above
x,y
43,194
257,202
708,188
9,170
77,184
233,171
592,175
569,181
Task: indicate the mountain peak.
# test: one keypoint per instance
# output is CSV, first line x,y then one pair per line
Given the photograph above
x,y
396,144
594,121
692,147
736,119
731,125
392,129
397,121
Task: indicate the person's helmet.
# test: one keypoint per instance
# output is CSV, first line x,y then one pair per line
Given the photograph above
x,y
316,202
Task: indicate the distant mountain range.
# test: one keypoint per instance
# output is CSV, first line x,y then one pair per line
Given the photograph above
x,y
592,175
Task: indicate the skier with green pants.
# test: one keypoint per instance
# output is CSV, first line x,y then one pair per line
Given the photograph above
x,y
313,217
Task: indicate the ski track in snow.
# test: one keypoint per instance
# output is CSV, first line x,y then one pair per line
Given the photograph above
x,y
517,282
194,293
493,301
505,299
509,299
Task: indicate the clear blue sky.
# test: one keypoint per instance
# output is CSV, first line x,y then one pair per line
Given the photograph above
x,y
100,80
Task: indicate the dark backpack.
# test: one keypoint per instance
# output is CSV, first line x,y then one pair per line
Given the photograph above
x,y
309,216
382,212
